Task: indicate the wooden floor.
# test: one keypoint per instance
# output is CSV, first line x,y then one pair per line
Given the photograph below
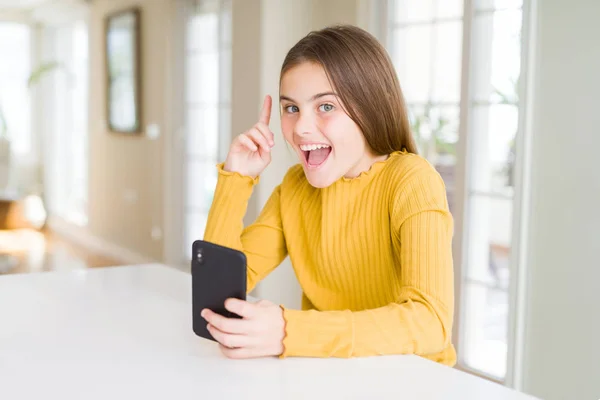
x,y
34,251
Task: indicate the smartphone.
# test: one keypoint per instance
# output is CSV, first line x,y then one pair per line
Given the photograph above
x,y
218,273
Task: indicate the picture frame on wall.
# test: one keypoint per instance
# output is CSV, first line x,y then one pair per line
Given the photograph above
x,y
123,75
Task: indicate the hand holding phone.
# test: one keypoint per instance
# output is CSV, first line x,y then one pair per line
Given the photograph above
x,y
259,333
220,310
218,274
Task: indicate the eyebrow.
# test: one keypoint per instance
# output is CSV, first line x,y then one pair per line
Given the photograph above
x,y
316,96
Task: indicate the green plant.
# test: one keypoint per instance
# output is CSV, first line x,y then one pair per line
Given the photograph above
x,y
35,77
509,98
433,131
41,71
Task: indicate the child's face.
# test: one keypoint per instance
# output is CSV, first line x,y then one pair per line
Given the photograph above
x,y
312,116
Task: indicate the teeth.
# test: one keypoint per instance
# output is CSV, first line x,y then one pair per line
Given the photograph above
x,y
309,147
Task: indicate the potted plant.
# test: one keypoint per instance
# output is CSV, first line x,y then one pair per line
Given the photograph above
x,y
7,180
433,134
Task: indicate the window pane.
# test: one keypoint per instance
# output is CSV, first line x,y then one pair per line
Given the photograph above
x,y
493,148
208,93
489,238
449,9
436,132
201,182
226,23
15,107
448,60
79,142
497,54
485,329
203,131
225,76
413,62
412,10
195,224
497,4
203,33
203,78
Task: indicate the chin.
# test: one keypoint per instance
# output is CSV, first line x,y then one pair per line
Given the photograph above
x,y
318,179
318,182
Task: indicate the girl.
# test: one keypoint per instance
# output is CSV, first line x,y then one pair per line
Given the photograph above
x,y
364,220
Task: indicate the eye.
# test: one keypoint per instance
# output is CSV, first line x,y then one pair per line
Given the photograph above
x,y
291,109
326,107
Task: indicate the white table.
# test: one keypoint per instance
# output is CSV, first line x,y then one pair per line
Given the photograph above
x,y
125,333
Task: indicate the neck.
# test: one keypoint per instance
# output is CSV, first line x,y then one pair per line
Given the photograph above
x,y
365,164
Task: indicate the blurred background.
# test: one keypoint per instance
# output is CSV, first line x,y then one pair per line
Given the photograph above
x,y
113,115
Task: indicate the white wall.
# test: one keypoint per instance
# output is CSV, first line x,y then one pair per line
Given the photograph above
x,y
562,346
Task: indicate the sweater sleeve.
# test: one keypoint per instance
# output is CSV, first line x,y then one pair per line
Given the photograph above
x,y
263,241
420,320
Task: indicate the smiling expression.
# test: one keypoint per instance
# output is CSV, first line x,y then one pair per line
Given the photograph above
x,y
329,144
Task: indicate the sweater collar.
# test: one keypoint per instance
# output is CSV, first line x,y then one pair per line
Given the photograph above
x,y
367,175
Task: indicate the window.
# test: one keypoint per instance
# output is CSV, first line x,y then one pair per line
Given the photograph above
x,y
493,120
207,107
425,41
68,133
15,103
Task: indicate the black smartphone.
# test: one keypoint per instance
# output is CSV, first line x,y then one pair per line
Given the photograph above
x,y
218,273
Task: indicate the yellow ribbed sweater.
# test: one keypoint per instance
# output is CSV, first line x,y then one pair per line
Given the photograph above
x,y
372,254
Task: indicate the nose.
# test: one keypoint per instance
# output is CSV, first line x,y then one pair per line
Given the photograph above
x,y
305,124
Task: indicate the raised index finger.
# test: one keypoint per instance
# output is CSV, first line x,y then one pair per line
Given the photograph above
x,y
265,113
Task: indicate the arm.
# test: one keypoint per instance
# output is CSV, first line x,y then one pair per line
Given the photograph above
x,y
263,242
420,320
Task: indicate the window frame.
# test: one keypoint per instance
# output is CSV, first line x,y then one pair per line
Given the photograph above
x,y
176,207
517,289
59,196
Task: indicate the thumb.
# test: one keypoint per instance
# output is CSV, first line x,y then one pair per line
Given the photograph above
x,y
242,308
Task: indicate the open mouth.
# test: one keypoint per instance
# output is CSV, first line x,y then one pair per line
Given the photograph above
x,y
315,154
